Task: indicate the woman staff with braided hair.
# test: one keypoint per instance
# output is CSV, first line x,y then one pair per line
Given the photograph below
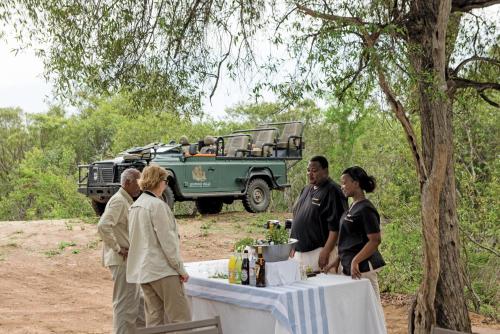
x,y
359,230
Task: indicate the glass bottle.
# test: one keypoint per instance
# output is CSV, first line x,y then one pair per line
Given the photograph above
x,y
245,269
252,267
270,233
237,269
260,269
231,269
288,227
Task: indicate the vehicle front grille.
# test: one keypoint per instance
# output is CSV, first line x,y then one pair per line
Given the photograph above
x,y
99,174
106,174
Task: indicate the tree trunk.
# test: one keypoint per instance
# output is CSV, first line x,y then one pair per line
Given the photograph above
x,y
437,156
450,305
441,249
440,299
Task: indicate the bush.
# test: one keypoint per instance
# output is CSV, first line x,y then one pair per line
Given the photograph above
x,y
43,189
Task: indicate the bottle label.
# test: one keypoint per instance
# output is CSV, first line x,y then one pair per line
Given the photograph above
x,y
244,276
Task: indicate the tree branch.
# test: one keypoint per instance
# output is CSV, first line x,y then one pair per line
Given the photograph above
x,y
480,87
400,114
467,5
458,83
488,100
491,250
217,77
473,58
361,66
283,19
330,17
189,19
349,20
325,3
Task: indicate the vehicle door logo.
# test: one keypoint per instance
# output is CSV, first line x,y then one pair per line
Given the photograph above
x,y
199,174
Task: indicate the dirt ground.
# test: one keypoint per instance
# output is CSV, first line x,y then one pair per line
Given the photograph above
x,y
52,281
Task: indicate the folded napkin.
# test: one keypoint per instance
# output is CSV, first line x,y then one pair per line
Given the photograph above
x,y
282,272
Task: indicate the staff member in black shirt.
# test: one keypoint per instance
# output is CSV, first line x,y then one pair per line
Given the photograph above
x,y
316,216
359,233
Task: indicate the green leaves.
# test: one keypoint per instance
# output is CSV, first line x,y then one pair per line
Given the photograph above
x,y
14,142
240,245
279,236
43,189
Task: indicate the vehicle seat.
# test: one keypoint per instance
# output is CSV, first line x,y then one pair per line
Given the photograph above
x,y
236,145
209,145
263,143
291,136
185,146
193,149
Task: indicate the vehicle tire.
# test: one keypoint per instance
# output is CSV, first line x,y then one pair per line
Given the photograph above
x,y
98,207
209,205
258,196
168,197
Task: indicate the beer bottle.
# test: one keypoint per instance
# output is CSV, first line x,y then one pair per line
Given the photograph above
x,y
251,259
245,269
288,226
270,233
260,269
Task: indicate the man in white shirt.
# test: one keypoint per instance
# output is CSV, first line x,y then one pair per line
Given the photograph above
x,y
113,228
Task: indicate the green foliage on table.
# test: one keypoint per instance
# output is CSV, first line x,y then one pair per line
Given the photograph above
x,y
220,276
278,236
240,245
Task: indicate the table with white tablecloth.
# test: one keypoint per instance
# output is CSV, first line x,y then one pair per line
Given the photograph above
x,y
322,304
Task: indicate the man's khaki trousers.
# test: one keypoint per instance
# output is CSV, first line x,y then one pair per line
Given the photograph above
x,y
165,301
127,304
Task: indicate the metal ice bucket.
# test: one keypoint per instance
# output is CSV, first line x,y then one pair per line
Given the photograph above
x,y
276,253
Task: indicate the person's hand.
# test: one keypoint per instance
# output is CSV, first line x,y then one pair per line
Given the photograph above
x,y
184,278
355,273
292,253
324,255
334,265
123,252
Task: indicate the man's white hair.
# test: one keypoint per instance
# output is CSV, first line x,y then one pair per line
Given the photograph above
x,y
129,174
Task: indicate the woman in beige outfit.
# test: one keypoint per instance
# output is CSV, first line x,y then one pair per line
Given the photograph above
x,y
154,258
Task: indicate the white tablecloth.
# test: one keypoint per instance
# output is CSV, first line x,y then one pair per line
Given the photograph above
x,y
322,304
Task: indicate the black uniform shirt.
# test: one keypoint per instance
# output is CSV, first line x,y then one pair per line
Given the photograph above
x,y
356,223
316,213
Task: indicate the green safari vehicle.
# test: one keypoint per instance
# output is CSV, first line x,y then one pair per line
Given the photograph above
x,y
245,165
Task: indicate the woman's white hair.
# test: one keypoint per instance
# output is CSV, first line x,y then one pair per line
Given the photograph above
x,y
129,174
